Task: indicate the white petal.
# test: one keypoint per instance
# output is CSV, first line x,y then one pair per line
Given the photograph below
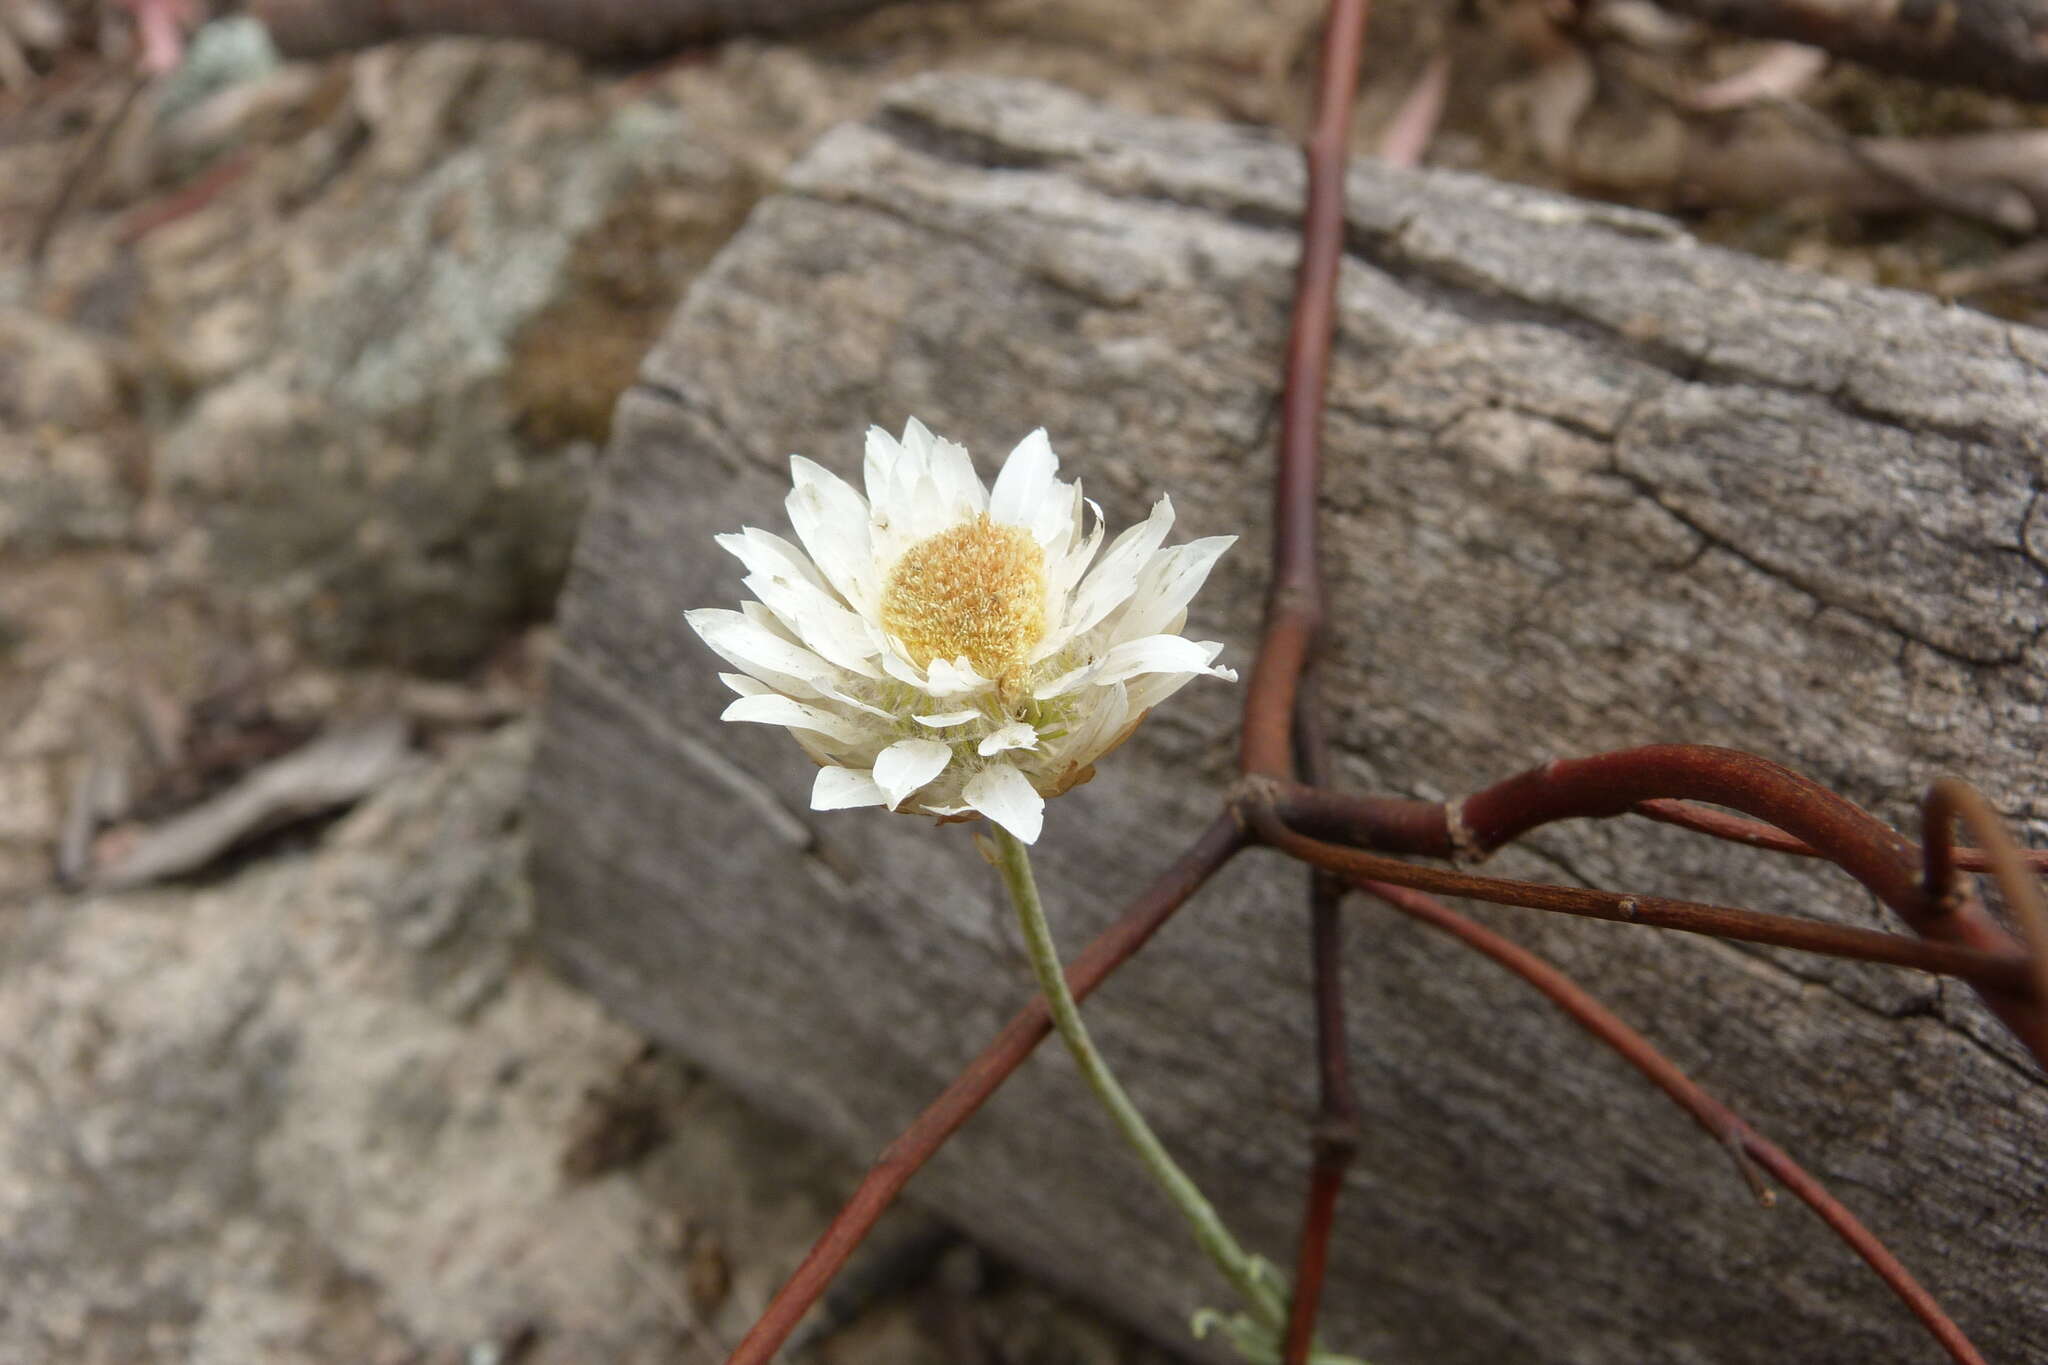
x,y
917,438
771,708
1148,690
744,685
894,470
953,471
1166,585
925,511
878,468
1055,519
955,679
765,552
832,522
789,586
908,764
827,629
844,788
1062,572
1007,797
754,649
1024,483
1156,654
1111,582
1107,714
896,663
1016,735
941,719
1146,654
845,698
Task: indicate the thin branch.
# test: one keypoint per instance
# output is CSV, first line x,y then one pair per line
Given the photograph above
x,y
971,1088
1334,1143
1240,1268
1610,784
1740,829
1949,800
1294,598
1394,824
1749,1148
1725,825
2002,972
1283,717
1869,850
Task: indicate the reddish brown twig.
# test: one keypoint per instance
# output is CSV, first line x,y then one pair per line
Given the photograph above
x,y
1294,598
1948,801
1721,824
1281,694
1616,783
971,1089
2006,973
1334,1142
1749,1148
1739,829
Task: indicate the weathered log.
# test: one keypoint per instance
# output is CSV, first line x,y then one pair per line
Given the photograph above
x,y
596,28
1591,485
1997,45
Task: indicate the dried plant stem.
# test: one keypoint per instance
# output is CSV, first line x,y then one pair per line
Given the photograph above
x,y
2006,975
1334,1140
1952,799
1740,829
1013,861
1283,717
982,1077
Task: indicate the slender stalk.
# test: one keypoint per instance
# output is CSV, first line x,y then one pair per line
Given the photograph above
x,y
1013,861
900,1160
1334,1142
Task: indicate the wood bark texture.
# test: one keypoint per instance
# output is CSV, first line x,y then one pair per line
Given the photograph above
x,y
1997,45
597,28
1590,485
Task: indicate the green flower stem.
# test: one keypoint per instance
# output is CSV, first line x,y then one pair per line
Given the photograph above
x,y
1241,1269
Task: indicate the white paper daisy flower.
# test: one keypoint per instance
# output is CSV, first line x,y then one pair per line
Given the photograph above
x,y
946,649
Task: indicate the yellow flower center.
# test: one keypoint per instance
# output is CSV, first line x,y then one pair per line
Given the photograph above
x,y
976,590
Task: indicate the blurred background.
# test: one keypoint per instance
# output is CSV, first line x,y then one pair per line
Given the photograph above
x,y
312,321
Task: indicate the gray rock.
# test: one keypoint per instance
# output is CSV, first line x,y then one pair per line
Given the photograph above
x,y
64,440
334,1110
376,448
1591,485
